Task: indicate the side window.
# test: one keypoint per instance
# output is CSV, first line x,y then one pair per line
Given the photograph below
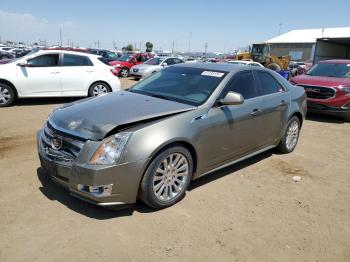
x,y
76,60
178,61
170,61
132,60
243,84
268,84
143,58
44,60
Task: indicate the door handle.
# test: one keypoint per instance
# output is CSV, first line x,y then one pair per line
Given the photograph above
x,y
283,103
54,72
89,71
255,112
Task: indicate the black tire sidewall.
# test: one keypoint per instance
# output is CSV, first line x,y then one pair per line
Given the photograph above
x,y
13,95
147,194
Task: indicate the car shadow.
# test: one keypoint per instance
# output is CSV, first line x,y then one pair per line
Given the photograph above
x,y
55,192
229,170
46,101
324,118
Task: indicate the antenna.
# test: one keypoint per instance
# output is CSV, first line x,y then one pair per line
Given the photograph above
x,y
279,29
61,36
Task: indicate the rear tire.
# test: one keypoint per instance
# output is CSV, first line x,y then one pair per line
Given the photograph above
x,y
167,178
7,95
124,72
347,119
290,136
98,89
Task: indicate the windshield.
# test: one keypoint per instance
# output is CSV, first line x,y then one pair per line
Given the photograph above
x,y
330,70
124,58
154,61
185,85
112,55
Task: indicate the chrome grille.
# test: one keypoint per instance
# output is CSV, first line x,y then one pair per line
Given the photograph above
x,y
59,146
319,92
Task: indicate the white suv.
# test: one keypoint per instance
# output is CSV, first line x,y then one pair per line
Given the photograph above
x,y
56,73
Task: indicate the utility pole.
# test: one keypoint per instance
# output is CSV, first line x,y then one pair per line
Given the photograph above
x,y
60,37
189,42
205,47
279,28
172,49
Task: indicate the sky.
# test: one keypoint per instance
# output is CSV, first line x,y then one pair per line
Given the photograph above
x,y
225,25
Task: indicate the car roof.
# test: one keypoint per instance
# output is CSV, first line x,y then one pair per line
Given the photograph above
x,y
227,67
335,61
67,52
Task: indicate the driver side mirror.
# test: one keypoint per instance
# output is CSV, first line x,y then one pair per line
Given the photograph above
x,y
164,64
231,98
23,63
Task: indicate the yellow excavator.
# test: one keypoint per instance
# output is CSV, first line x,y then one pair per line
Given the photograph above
x,y
262,53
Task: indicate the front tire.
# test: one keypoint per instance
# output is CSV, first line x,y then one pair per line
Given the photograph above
x,y
98,89
290,136
167,178
7,95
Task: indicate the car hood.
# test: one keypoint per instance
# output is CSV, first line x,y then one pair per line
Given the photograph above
x,y
320,81
144,66
94,118
122,63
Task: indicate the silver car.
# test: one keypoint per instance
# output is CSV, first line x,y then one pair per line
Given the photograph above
x,y
175,126
152,66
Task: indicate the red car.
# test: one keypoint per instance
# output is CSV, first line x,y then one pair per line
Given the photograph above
x,y
327,87
125,62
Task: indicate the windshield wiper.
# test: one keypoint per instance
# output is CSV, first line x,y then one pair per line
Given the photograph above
x,y
159,96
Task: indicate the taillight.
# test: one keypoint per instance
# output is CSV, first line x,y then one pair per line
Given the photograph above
x,y
114,71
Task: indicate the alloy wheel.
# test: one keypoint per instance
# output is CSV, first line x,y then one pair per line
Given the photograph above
x,y
171,176
292,135
99,89
5,95
124,72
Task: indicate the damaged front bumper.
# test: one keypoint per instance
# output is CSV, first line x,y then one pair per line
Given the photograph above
x,y
97,184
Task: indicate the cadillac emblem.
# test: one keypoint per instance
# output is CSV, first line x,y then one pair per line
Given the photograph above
x,y
56,143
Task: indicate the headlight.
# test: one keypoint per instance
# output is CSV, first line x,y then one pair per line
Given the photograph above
x,y
117,65
111,149
345,89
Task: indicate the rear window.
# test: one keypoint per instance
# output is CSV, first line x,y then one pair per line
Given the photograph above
x,y
76,60
103,60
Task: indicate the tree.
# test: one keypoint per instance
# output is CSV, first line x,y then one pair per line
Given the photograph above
x,y
149,47
129,47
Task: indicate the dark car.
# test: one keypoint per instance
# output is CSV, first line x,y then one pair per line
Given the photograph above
x,y
175,126
6,55
327,86
106,54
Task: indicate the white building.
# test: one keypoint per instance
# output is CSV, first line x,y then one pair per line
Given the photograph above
x,y
300,44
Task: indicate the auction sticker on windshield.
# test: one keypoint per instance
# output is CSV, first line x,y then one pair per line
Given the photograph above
x,y
212,73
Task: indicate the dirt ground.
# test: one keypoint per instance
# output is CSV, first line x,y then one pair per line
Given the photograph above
x,y
252,211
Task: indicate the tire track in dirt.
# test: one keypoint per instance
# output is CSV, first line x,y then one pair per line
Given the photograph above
x,y
8,143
